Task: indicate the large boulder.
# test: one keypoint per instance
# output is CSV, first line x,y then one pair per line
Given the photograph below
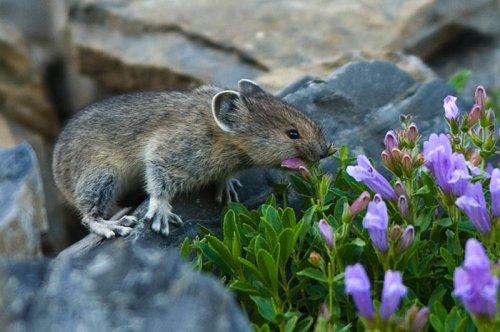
x,y
158,44
22,212
120,287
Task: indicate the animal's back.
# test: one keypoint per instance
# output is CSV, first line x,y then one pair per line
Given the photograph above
x,y
112,133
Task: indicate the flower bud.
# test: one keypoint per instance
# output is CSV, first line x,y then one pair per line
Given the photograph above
x,y
315,259
420,319
405,118
305,173
399,188
475,158
411,313
480,98
403,208
323,311
489,143
326,232
360,203
473,116
419,160
406,238
346,214
407,164
395,232
387,160
451,111
331,150
391,140
397,155
412,134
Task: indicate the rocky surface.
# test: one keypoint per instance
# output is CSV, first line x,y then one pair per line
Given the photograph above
x,y
22,211
182,43
120,287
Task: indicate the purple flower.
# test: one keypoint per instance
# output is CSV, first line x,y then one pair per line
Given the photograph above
x,y
473,204
495,192
358,286
437,154
458,175
474,284
326,233
364,172
450,108
376,221
392,292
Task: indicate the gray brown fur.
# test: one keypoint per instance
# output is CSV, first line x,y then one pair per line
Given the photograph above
x,y
171,142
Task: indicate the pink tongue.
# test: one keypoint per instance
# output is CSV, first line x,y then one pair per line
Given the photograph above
x,y
293,163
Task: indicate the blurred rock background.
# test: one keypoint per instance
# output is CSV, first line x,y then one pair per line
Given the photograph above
x,y
351,64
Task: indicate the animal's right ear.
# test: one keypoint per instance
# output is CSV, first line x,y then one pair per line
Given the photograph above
x,y
226,105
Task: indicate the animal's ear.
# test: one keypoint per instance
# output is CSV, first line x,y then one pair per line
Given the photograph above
x,y
248,87
227,106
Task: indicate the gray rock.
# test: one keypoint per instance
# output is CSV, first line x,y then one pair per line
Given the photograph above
x,y
182,43
22,212
120,287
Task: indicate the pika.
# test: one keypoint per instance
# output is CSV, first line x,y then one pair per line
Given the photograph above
x,y
173,142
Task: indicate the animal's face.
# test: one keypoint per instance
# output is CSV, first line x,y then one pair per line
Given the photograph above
x,y
270,130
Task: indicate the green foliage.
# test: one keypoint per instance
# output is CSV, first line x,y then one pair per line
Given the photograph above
x,y
458,80
275,260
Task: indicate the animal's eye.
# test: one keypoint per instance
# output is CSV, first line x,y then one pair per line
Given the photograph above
x,y
293,134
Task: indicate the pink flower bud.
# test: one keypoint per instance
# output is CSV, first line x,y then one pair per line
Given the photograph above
x,y
360,203
480,98
326,233
406,238
399,188
412,133
474,115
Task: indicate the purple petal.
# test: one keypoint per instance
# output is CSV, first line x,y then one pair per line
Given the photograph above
x,y
495,192
391,141
376,221
357,285
450,108
392,292
326,232
365,173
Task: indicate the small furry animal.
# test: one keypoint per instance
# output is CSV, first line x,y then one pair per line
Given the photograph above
x,y
172,142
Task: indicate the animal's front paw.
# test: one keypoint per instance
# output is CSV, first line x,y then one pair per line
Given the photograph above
x,y
160,215
111,228
226,191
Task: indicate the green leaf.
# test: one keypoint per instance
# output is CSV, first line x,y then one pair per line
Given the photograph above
x,y
454,323
287,243
299,186
436,323
250,267
440,311
244,288
222,250
313,273
273,218
204,230
339,208
271,236
265,308
445,223
213,256
288,219
236,247
269,269
290,323
271,200
185,248
304,325
229,227
448,258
